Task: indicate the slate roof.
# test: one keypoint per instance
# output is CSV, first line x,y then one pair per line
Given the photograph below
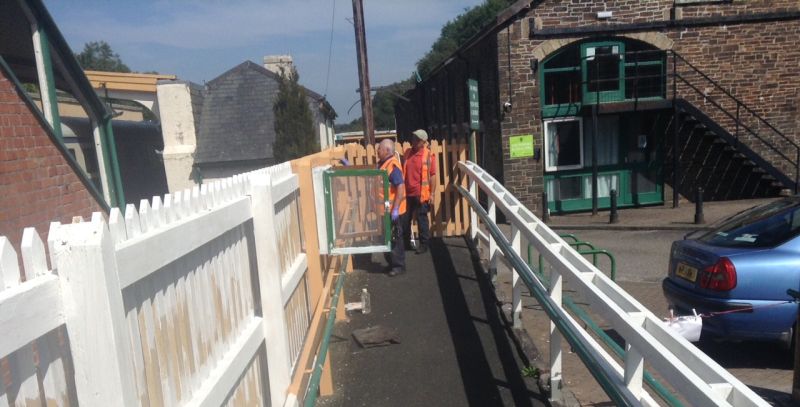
x,y
236,120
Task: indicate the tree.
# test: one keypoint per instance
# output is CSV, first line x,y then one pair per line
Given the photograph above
x,y
383,103
98,56
454,34
458,31
294,127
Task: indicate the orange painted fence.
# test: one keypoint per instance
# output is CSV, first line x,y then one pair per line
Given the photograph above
x,y
450,212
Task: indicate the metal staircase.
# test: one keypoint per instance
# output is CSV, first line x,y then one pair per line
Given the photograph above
x,y
722,145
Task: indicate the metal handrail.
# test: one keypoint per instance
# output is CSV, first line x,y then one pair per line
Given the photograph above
x,y
692,373
313,383
617,394
593,251
738,118
651,381
738,102
738,122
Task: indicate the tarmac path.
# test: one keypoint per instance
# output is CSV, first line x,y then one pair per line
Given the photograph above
x,y
454,350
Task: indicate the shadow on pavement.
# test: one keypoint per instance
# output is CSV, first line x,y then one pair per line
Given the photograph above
x,y
488,357
747,355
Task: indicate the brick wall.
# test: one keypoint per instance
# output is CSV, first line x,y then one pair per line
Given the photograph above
x,y
759,63
37,185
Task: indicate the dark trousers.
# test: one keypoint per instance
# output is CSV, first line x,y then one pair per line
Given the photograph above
x,y
397,258
421,209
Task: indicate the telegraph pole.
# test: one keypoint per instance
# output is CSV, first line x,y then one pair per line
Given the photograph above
x,y
363,73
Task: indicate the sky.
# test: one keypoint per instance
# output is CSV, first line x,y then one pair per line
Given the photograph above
x,y
198,40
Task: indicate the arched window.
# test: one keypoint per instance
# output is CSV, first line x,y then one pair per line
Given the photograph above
x,y
604,71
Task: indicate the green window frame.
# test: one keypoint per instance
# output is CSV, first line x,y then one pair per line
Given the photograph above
x,y
616,91
641,75
560,108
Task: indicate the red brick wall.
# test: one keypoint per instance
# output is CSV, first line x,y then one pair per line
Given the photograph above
x,y
758,62
37,186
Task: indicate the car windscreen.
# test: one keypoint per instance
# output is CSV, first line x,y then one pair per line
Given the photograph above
x,y
763,226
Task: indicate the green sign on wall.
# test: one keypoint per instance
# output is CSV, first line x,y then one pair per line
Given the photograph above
x,y
474,105
521,146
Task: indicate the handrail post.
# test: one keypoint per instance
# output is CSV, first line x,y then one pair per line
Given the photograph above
x,y
545,208
797,170
516,283
556,294
738,120
473,217
493,250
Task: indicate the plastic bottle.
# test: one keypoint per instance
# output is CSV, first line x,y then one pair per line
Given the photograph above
x,y
365,305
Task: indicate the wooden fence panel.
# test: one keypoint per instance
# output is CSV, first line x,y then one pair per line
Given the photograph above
x,y
449,216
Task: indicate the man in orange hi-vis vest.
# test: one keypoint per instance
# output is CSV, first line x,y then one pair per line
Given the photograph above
x,y
389,162
420,176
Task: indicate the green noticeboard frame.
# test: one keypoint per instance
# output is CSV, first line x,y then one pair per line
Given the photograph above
x,y
327,178
521,146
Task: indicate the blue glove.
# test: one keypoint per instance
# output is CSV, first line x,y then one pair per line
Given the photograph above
x,y
395,215
344,162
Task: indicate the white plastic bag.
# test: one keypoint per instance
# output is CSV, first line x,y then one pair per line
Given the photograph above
x,y
687,326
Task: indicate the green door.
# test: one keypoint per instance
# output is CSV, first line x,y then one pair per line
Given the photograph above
x,y
603,72
644,162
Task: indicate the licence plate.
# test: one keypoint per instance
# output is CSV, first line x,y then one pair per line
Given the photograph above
x,y
686,271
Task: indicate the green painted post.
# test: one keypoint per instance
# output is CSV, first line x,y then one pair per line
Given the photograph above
x,y
112,164
49,83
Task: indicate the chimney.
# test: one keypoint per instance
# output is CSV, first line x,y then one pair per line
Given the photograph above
x,y
274,63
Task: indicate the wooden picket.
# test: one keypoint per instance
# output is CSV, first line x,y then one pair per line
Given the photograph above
x,y
34,359
215,295
449,215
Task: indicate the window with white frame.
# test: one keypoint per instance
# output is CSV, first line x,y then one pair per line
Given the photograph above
x,y
563,140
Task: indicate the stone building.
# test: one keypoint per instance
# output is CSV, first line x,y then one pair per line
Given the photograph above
x,y
227,126
653,99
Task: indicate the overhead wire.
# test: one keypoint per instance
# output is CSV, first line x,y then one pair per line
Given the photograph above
x,y
330,50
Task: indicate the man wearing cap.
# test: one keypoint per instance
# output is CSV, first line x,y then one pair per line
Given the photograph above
x,y
420,180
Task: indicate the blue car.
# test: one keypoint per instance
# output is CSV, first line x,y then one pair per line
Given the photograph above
x,y
737,274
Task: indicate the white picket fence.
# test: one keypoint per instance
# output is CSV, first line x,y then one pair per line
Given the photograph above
x,y
695,377
190,300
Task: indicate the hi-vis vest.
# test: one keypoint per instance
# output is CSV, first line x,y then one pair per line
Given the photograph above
x,y
425,176
389,166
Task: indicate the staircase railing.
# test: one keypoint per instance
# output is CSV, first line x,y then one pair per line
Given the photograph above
x,y
737,118
747,127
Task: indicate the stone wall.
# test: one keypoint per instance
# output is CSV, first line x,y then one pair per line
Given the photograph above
x,y
758,62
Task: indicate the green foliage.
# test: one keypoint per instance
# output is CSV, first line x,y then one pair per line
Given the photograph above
x,y
294,126
354,125
383,103
530,371
98,56
454,34
458,31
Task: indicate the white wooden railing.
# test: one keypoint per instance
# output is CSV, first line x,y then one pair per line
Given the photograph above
x,y
694,376
189,300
